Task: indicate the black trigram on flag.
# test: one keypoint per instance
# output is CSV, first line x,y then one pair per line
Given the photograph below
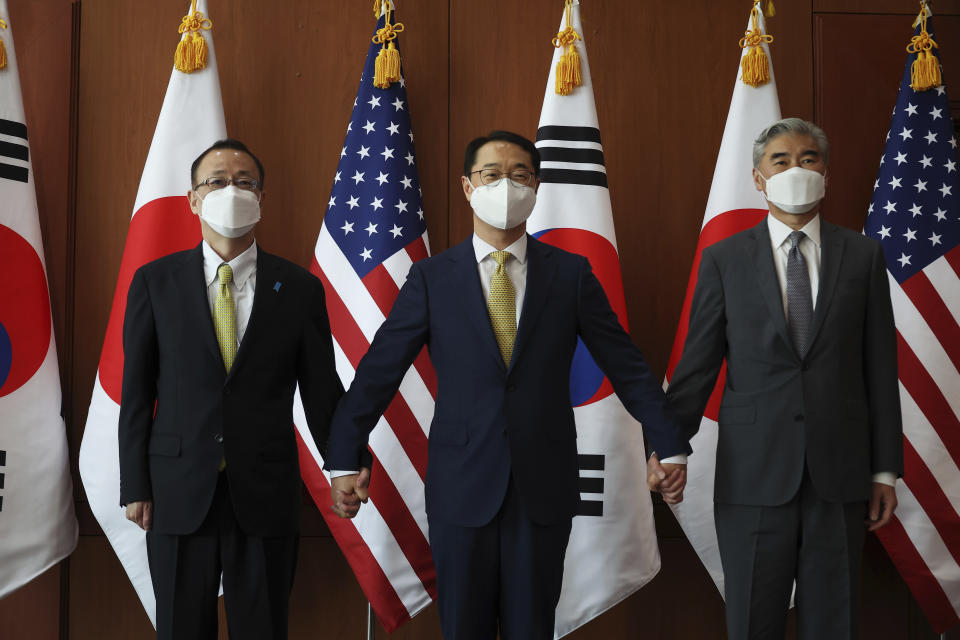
x,y
13,151
3,464
571,155
591,484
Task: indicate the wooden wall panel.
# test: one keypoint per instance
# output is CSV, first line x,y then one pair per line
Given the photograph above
x,y
663,76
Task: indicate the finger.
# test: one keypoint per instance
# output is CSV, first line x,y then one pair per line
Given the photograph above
x,y
884,518
147,521
673,498
653,482
672,482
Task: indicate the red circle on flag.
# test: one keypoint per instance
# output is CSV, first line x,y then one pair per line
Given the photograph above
x,y
25,322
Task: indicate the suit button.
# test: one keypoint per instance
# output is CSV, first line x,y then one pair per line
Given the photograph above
x,y
218,438
511,388
798,417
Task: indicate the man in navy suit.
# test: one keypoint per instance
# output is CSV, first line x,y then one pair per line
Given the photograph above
x,y
500,314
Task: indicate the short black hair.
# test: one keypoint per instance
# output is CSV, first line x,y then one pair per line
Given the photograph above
x,y
226,143
470,155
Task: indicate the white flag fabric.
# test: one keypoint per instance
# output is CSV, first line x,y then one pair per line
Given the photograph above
x,y
734,204
191,119
38,527
613,544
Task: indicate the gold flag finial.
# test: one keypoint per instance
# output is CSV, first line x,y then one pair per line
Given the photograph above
x,y
755,64
387,65
925,70
568,67
3,48
192,49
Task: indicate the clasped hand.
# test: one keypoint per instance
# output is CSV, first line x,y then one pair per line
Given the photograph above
x,y
348,492
669,480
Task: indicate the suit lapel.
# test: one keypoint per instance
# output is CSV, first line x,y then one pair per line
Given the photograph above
x,y
192,283
465,279
831,255
264,301
540,271
767,280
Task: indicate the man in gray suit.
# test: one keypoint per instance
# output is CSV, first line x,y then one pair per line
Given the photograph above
x,y
810,435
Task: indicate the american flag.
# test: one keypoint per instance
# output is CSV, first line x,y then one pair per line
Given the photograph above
x,y
915,215
372,232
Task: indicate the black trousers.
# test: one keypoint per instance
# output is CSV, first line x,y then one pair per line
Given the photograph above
x,y
257,578
506,574
764,549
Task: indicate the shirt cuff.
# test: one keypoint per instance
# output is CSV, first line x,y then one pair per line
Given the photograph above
x,y
336,473
680,458
888,478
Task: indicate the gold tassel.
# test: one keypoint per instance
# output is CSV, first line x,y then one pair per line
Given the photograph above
x,y
3,48
925,70
771,10
386,67
755,65
569,73
191,52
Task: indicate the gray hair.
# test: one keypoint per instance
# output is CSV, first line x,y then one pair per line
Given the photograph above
x,y
794,126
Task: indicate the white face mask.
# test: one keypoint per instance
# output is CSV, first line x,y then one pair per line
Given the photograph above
x,y
796,190
504,204
230,211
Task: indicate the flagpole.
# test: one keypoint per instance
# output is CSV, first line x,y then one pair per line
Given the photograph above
x,y
370,632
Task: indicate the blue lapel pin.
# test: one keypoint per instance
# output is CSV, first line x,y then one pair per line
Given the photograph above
x,y
276,286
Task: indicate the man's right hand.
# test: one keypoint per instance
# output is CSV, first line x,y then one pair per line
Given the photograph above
x,y
141,513
347,492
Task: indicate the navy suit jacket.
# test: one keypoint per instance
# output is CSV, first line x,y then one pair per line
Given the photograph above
x,y
494,422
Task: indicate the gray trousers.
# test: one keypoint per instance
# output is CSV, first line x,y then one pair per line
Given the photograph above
x,y
764,549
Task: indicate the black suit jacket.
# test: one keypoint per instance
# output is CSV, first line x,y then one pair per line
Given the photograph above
x,y
837,409
171,455
494,422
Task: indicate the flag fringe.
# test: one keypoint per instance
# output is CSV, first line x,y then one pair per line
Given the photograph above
x,y
925,70
569,73
387,65
755,64
3,48
191,52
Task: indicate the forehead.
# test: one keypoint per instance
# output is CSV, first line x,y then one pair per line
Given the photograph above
x,y
791,143
227,160
503,154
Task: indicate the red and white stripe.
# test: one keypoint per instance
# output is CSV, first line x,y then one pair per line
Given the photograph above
x,y
924,538
387,543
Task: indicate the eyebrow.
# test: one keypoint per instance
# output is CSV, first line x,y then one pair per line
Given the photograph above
x,y
805,152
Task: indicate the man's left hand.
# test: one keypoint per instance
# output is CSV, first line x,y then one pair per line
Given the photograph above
x,y
882,503
667,479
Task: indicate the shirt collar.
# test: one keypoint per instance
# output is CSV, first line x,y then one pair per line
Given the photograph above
x,y
518,249
780,232
243,266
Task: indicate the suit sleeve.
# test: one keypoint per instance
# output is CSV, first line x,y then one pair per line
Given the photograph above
x,y
703,351
623,363
320,386
880,372
139,392
394,347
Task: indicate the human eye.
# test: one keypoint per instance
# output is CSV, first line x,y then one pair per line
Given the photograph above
x,y
490,175
216,183
521,177
249,184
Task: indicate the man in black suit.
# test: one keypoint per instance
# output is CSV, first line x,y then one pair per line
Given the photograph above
x,y
810,435
500,313
215,340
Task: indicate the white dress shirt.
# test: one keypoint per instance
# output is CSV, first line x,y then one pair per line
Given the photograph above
x,y
810,247
516,267
242,286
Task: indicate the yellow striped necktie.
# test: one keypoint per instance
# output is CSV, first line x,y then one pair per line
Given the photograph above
x,y
502,305
225,317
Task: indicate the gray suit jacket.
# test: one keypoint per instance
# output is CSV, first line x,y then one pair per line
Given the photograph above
x,y
837,409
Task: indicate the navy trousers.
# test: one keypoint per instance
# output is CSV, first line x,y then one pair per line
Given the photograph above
x,y
505,575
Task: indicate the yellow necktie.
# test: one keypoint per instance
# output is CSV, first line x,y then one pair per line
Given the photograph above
x,y
225,317
502,306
